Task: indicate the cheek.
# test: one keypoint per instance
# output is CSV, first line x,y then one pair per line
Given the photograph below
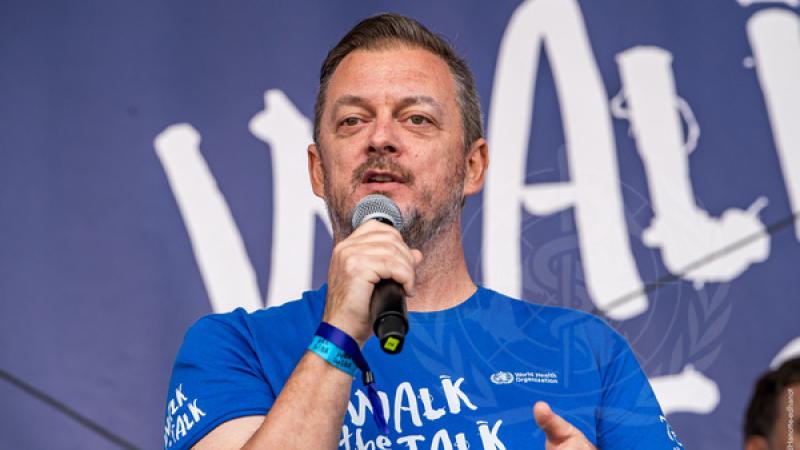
x,y
337,172
446,170
434,189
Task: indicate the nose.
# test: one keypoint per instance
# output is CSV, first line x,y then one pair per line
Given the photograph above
x,y
383,138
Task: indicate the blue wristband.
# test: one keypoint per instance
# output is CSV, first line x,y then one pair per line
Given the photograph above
x,y
333,355
349,346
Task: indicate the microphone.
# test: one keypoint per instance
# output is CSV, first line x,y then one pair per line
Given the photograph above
x,y
387,307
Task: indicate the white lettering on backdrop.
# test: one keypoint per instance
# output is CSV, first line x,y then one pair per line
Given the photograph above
x,y
775,38
684,232
216,241
287,133
593,192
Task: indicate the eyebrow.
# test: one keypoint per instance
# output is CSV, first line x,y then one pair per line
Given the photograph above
x,y
421,100
354,100
348,100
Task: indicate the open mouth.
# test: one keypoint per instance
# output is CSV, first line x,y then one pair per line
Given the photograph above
x,y
377,176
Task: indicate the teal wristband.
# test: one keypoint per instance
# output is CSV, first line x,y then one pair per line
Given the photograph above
x,y
334,355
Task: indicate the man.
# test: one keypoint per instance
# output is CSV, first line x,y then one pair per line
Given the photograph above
x,y
772,422
398,114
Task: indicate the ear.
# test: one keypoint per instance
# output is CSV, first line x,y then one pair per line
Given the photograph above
x,y
315,171
477,161
756,442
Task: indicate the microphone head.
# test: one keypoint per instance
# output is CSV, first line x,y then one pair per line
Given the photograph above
x,y
379,207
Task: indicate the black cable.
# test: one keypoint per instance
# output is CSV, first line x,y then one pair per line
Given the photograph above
x,y
671,278
67,411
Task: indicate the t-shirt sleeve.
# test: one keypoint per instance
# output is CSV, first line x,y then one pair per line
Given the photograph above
x,y
629,416
216,378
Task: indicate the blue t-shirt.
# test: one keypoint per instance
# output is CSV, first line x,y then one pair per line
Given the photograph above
x,y
467,377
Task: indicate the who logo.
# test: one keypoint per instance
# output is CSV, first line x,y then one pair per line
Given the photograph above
x,y
502,377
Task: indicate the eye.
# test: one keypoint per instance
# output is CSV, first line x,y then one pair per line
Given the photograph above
x,y
350,121
418,119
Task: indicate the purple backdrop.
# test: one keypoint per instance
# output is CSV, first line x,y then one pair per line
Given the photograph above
x,y
645,166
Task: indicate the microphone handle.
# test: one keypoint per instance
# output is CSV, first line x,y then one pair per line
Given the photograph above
x,y
389,315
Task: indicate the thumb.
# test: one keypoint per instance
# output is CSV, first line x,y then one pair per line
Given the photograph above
x,y
554,426
417,255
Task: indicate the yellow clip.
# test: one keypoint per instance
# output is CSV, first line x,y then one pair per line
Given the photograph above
x,y
391,343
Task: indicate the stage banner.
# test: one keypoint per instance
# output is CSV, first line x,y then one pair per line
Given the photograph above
x,y
644,166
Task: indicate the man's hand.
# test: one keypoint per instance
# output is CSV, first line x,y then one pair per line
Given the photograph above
x,y
374,251
561,435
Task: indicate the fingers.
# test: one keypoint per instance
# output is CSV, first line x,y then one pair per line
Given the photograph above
x,y
377,261
382,243
554,426
379,248
374,251
377,232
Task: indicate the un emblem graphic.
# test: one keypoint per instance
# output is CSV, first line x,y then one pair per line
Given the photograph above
x,y
502,378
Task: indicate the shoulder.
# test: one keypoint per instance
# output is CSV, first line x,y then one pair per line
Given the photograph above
x,y
551,323
216,340
234,364
289,317
555,316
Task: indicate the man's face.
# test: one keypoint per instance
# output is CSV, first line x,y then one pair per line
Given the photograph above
x,y
391,125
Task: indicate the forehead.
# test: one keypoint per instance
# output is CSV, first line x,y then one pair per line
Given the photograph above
x,y
392,73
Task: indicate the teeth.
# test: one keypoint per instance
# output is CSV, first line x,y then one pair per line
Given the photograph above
x,y
380,178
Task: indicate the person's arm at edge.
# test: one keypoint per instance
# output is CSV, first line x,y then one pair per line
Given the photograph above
x,y
308,413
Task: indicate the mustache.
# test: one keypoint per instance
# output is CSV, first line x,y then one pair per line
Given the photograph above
x,y
384,163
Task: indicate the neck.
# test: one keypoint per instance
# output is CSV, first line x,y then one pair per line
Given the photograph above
x,y
442,277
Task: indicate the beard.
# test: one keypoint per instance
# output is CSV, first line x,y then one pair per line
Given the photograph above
x,y
419,230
